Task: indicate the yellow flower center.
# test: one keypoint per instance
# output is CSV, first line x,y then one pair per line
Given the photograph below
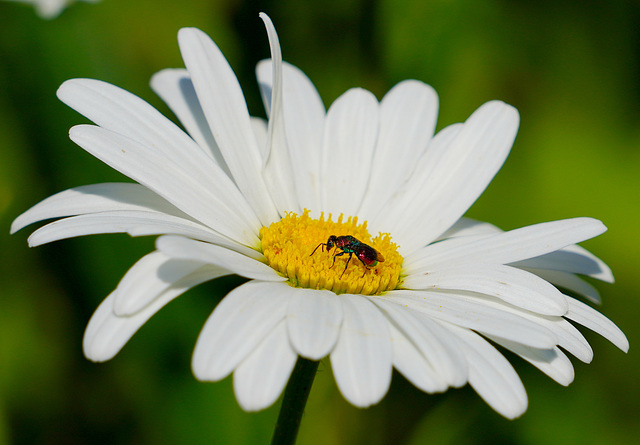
x,y
339,256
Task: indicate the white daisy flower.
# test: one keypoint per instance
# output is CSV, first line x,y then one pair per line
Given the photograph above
x,y
50,9
417,287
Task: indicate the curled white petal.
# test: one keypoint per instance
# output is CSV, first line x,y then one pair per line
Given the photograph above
x,y
226,111
304,116
278,171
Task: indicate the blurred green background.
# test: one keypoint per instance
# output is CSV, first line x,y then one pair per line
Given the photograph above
x,y
571,68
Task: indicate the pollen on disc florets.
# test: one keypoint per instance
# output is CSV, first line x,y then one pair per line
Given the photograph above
x,y
289,243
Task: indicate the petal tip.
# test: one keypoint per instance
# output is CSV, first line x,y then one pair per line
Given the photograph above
x,y
64,88
16,225
96,352
187,34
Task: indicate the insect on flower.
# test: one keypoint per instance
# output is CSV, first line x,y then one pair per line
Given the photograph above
x,y
367,255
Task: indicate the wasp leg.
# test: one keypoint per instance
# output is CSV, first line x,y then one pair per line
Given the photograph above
x,y
334,258
345,266
366,268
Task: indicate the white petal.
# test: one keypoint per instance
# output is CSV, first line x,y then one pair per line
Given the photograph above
x,y
259,126
573,259
570,259
569,281
408,114
409,193
48,9
304,115
175,88
224,106
553,362
514,286
470,227
117,110
361,360
351,129
430,339
492,376
195,233
556,267
235,328
570,339
262,376
95,198
313,319
462,173
188,249
152,275
413,365
278,171
474,313
565,334
133,222
594,320
504,248
107,333
180,187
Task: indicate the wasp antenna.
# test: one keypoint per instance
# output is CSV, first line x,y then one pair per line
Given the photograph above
x,y
314,250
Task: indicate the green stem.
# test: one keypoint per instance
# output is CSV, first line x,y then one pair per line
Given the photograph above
x,y
294,401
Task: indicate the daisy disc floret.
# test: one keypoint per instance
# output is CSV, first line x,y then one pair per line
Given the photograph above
x,y
290,244
373,274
